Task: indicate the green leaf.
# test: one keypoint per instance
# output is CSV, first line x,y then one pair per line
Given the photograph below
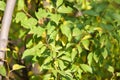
x,y
17,67
64,9
50,28
2,71
107,27
66,58
96,57
76,32
61,64
55,18
20,4
31,22
20,16
53,35
2,5
37,31
90,12
110,69
79,49
33,51
59,2
90,58
41,13
86,44
48,60
73,54
66,31
105,53
86,68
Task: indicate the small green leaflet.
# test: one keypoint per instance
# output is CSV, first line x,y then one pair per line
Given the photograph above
x,y
29,23
110,69
2,5
32,51
37,31
20,16
50,28
20,4
61,64
41,13
90,58
59,2
55,18
105,53
86,68
86,44
73,54
64,9
2,71
66,31
76,32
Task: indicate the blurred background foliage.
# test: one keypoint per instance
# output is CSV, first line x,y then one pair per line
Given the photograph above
x,y
63,40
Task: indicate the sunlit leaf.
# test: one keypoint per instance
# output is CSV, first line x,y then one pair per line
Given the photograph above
x,y
86,37
17,67
55,18
76,32
86,68
86,44
2,5
59,2
90,58
20,16
73,54
41,13
79,49
64,9
21,4
37,31
110,69
32,51
66,58
2,71
31,22
66,31
105,53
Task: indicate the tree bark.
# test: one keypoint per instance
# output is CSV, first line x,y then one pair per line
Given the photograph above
x,y
5,29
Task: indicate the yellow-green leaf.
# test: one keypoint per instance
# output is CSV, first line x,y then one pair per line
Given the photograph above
x,y
2,71
17,67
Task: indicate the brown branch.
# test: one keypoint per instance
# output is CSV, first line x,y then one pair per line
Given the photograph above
x,y
5,29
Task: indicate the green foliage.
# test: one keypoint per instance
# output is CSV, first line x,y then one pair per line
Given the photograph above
x,y
2,71
67,39
2,5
